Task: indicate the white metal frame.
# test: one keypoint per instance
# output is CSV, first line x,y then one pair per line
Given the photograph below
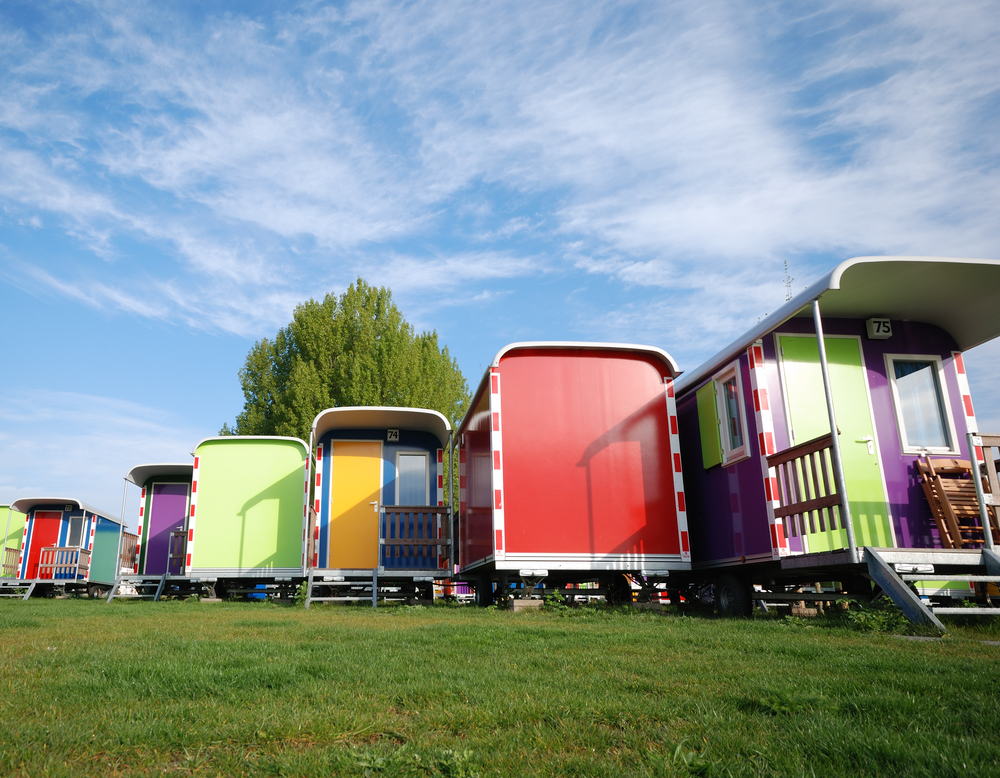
x,y
427,472
906,448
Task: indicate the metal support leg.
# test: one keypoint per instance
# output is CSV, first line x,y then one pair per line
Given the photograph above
x,y
309,589
901,594
159,589
374,588
114,590
27,594
992,561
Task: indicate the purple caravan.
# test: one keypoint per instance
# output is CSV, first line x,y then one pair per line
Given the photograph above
x,y
873,350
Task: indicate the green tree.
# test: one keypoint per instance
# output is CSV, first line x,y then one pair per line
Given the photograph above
x,y
353,350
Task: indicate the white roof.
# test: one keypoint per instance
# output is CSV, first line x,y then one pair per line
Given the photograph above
x,y
382,417
140,474
961,296
245,438
25,504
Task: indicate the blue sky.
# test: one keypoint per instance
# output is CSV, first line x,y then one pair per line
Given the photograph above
x,y
174,178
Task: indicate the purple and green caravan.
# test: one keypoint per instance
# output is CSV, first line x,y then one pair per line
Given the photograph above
x,y
163,511
894,330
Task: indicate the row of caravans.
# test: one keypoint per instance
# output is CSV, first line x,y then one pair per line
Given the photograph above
x,y
587,462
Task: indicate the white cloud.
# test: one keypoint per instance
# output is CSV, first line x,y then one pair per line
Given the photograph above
x,y
66,444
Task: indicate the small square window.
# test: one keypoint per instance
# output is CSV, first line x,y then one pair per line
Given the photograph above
x,y
921,404
75,535
732,414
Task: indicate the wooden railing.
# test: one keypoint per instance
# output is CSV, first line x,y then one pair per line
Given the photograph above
x,y
10,557
63,563
176,558
419,535
129,543
991,485
807,489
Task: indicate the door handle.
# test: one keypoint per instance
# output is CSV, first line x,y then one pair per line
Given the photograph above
x,y
871,443
374,503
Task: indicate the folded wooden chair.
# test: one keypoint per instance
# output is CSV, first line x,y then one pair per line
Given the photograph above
x,y
951,494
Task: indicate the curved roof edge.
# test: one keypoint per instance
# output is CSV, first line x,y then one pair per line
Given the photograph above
x,y
659,353
378,416
589,345
25,504
305,446
834,282
139,474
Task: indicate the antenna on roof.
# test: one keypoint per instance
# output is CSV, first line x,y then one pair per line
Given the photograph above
x,y
788,283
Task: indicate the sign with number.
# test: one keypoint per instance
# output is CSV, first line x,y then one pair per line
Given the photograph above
x,y
879,329
393,436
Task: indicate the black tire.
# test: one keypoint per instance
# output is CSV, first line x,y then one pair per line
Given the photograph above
x,y
484,591
617,589
732,597
96,592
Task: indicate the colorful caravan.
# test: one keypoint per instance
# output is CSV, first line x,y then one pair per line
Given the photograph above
x,y
66,544
247,513
570,468
154,559
874,351
13,522
379,511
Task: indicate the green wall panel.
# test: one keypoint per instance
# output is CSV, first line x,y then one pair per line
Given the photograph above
x,y
249,506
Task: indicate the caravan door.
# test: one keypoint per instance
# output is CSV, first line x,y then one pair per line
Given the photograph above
x,y
808,418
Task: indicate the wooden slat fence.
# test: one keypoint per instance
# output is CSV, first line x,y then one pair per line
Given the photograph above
x,y
128,561
63,563
417,536
10,557
807,489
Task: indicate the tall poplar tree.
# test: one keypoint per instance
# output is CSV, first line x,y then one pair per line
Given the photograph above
x,y
353,350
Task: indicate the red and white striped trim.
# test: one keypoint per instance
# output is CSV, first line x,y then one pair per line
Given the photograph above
x,y
24,540
193,511
305,506
440,476
92,524
496,442
963,390
462,486
138,543
317,504
765,439
675,467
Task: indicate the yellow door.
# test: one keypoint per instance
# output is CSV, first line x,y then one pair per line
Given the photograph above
x,y
354,504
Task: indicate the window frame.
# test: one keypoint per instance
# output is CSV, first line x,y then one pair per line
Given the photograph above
x,y
427,472
730,455
897,406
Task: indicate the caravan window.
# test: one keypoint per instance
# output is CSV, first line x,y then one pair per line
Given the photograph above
x,y
75,537
732,415
921,404
411,479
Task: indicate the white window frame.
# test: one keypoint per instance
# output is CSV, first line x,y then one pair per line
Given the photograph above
x,y
427,473
82,543
730,455
897,407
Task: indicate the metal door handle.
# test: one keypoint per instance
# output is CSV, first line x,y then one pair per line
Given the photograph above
x,y
870,441
375,503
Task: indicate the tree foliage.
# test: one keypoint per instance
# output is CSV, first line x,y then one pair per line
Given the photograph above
x,y
353,350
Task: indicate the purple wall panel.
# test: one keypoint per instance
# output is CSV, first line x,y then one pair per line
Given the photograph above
x,y
727,513
166,514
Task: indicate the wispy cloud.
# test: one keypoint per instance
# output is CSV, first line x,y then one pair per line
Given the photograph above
x,y
66,444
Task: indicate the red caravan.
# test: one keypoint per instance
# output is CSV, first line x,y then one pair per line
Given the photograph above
x,y
569,466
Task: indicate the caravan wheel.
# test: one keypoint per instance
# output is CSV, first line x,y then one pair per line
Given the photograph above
x,y
484,591
732,597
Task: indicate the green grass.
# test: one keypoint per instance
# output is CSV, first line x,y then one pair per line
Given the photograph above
x,y
183,688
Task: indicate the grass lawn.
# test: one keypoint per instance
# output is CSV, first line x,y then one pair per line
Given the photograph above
x,y
186,688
